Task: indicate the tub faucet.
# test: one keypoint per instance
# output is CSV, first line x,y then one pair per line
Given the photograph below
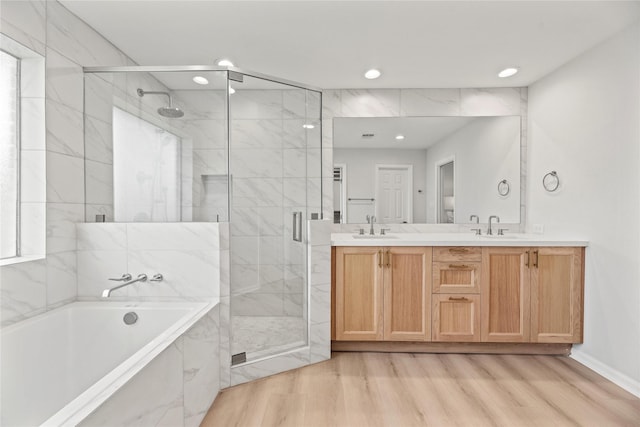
x,y
141,278
372,219
497,218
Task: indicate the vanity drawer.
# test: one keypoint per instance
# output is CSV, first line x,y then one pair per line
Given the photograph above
x,y
457,253
456,277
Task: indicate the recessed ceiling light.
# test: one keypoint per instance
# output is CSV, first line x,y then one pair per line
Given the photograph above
x,y
399,137
508,72
231,91
225,63
372,74
308,126
201,80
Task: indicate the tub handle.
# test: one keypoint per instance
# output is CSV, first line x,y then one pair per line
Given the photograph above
x,y
125,278
157,278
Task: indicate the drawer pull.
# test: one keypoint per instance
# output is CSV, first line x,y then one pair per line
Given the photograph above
x,y
527,262
458,250
458,299
388,263
535,262
380,258
460,267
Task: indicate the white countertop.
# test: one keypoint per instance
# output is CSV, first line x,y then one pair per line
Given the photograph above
x,y
453,239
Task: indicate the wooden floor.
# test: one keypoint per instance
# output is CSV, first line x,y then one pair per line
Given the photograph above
x,y
402,389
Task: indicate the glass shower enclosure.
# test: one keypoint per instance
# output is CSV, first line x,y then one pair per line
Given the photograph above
x,y
236,147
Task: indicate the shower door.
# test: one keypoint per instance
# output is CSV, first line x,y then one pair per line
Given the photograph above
x,y
275,179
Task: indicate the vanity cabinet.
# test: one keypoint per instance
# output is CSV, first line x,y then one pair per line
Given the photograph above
x,y
382,293
532,294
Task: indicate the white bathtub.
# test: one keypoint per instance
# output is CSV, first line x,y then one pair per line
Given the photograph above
x,y
59,367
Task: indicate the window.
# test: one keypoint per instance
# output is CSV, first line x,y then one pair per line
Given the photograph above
x,y
9,155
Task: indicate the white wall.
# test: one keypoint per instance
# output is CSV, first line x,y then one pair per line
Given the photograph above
x,y
361,176
584,123
486,151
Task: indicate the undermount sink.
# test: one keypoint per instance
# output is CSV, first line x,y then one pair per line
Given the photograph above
x,y
375,236
502,236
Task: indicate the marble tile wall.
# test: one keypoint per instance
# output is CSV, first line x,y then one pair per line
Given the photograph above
x,y
67,44
418,102
175,389
186,254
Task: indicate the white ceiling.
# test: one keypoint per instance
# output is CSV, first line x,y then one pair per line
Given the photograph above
x,y
329,44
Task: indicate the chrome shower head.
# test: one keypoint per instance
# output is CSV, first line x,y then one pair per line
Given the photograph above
x,y
169,111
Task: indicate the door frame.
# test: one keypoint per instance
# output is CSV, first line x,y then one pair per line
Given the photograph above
x,y
438,205
409,169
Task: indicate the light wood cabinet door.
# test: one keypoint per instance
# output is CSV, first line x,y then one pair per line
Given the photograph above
x,y
505,290
556,294
407,293
359,303
456,317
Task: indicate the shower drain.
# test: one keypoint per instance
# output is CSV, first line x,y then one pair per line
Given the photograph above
x,y
130,318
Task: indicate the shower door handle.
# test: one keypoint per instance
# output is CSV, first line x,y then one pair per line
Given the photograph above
x,y
297,226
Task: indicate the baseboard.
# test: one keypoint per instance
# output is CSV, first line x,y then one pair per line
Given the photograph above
x,y
616,377
446,347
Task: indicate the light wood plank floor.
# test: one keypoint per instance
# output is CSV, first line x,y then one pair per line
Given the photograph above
x,y
402,389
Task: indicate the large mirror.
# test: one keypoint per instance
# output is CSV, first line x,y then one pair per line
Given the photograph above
x,y
426,169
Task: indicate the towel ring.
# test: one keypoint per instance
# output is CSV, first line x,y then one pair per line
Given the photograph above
x,y
551,182
503,188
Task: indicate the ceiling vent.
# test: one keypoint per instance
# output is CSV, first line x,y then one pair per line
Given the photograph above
x,y
368,135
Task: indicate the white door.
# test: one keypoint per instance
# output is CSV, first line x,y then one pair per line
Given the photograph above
x,y
393,194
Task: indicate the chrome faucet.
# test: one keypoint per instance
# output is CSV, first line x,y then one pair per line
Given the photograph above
x,y
476,217
141,278
372,219
497,218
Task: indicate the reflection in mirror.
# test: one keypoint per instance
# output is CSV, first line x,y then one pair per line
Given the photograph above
x,y
441,169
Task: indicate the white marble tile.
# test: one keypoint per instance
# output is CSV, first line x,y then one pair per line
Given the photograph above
x,y
257,133
77,41
65,129
257,335
256,163
201,367
313,136
187,273
251,371
204,104
271,250
294,104
327,197
98,140
294,163
320,265
245,222
327,164
430,102
32,124
314,105
99,182
61,277
293,134
320,342
270,221
250,192
64,81
295,192
101,236
331,103
256,104
225,343
65,178
293,304
23,289
244,250
327,133
320,304
257,304
25,21
153,397
370,102
173,236
61,226
490,102
98,98
245,278
207,134
95,268
224,234
225,273
32,77
33,228
270,278
33,173
320,232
